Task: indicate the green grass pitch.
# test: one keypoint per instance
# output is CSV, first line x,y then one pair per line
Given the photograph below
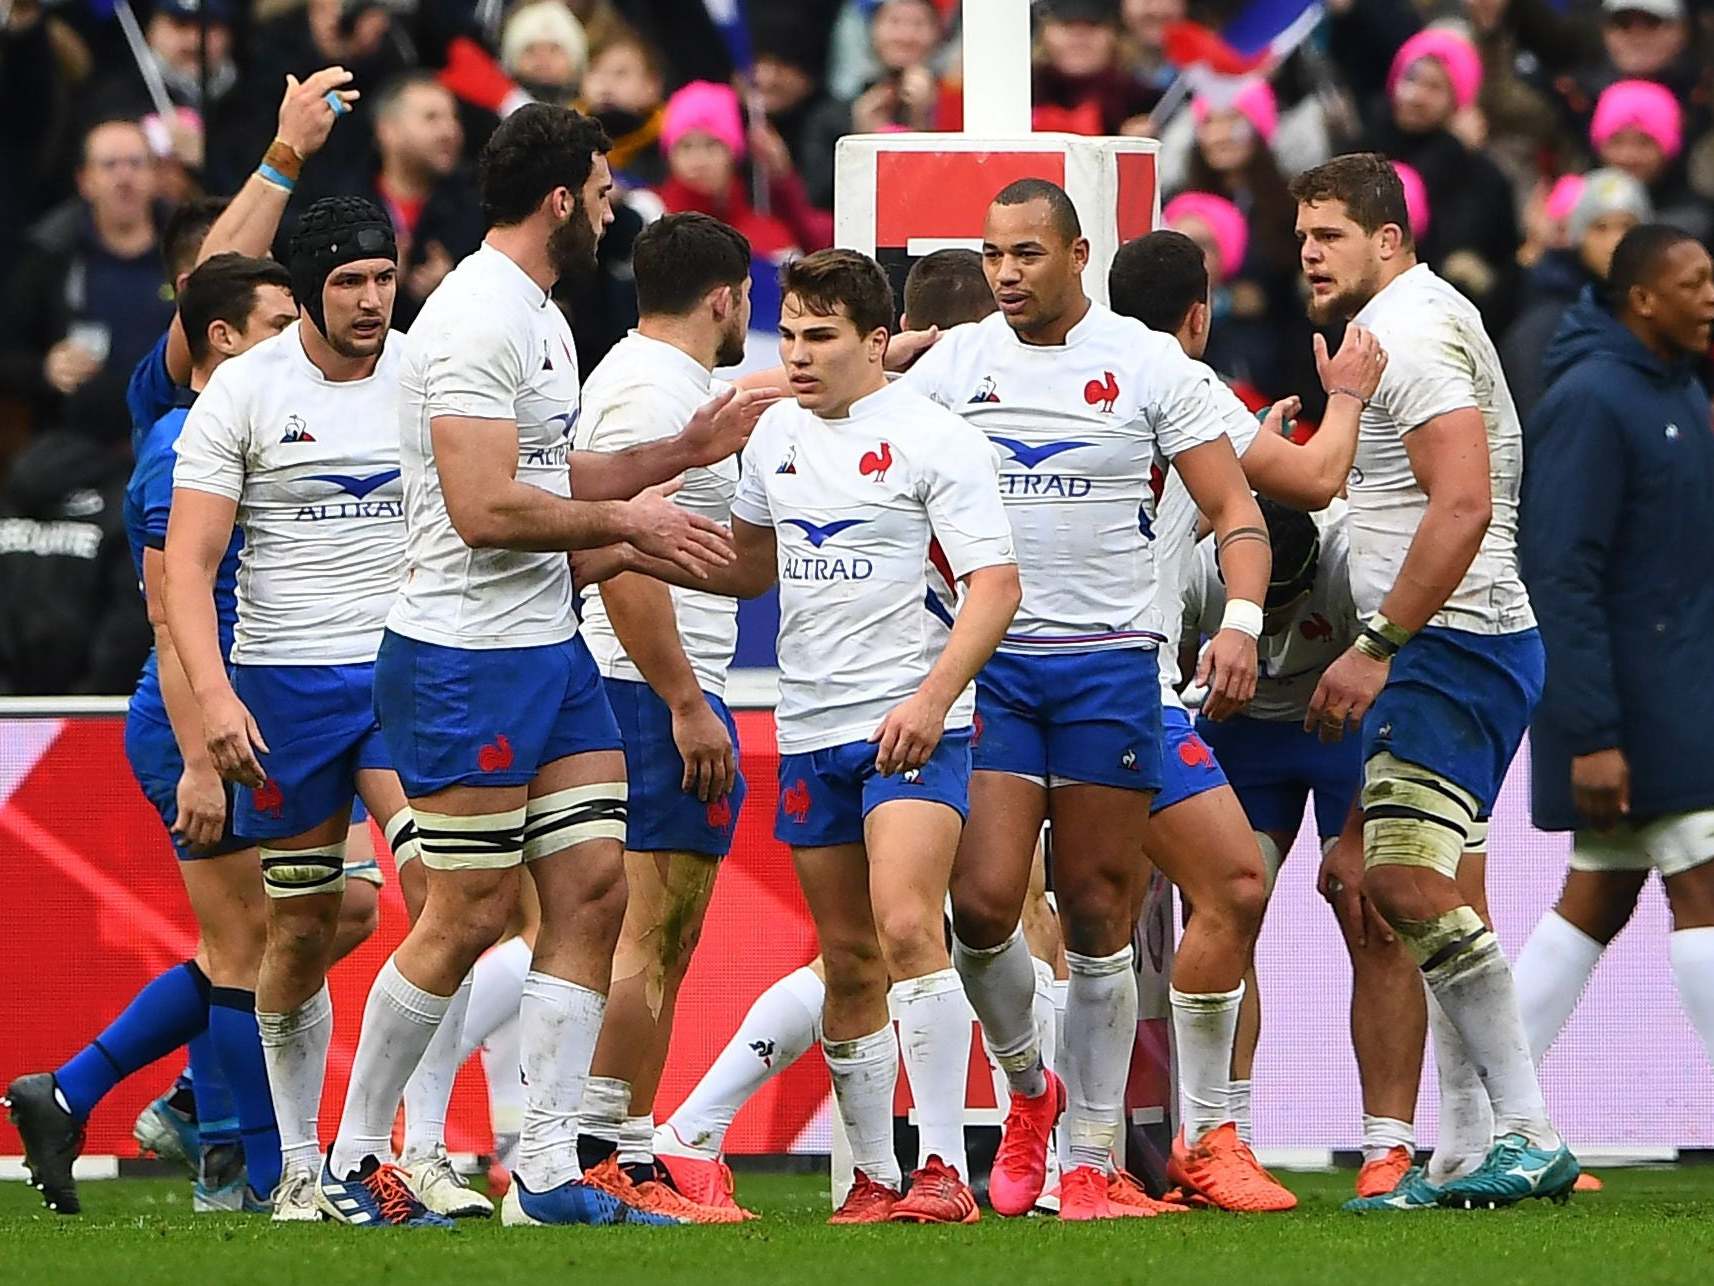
x,y
1650,1226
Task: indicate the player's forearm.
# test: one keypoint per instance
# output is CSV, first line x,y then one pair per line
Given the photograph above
x,y
1438,559
1310,476
1241,537
747,576
246,226
990,602
619,475
189,597
514,515
182,711
641,611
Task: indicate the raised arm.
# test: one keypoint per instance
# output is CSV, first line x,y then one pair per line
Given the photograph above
x,y
252,218
1216,482
1311,475
719,429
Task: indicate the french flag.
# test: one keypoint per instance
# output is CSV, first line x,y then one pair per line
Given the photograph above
x,y
1261,33
1217,64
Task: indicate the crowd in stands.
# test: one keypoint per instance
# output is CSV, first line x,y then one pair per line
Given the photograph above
x,y
1530,134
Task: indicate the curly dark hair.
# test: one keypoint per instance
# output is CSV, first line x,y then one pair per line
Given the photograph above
x,y
536,149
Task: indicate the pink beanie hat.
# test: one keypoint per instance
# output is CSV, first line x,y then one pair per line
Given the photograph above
x,y
703,107
1416,198
1224,220
1463,64
1255,102
1563,197
1639,104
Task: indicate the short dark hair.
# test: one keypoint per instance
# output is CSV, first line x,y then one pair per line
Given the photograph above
x,y
679,258
223,288
536,149
828,278
393,90
1061,211
187,226
102,122
1368,185
1157,278
947,288
1637,258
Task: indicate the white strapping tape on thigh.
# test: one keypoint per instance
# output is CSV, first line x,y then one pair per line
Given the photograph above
x,y
1413,816
485,842
300,872
1476,840
402,837
575,815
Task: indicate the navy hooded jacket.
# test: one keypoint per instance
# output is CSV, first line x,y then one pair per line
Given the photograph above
x,y
1617,544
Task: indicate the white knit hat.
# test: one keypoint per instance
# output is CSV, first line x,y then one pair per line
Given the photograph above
x,y
546,20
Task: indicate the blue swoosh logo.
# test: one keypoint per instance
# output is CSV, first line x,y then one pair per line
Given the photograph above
x,y
566,421
819,536
1029,456
359,487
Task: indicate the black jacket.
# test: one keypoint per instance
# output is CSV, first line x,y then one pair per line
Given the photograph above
x,y
1551,288
1617,542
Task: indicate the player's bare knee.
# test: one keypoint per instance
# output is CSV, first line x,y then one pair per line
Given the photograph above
x,y
912,938
853,970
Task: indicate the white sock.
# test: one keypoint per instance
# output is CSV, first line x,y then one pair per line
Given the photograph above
x,y
1466,1118
1000,983
1551,972
934,1036
500,1068
637,1140
1204,1027
780,1026
294,1047
1100,1029
1692,952
606,1104
865,1072
1046,1015
399,1021
1238,1107
1061,1064
429,1090
559,1024
1475,988
496,985
1381,1134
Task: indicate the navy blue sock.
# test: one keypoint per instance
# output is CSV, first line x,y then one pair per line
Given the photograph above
x,y
163,1016
216,1112
232,1023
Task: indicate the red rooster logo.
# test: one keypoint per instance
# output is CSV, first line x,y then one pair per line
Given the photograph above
x,y
720,813
496,757
1195,753
1102,393
269,798
877,462
1317,629
795,801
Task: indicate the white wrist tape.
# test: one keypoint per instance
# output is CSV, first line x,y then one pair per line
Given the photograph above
x,y
1243,616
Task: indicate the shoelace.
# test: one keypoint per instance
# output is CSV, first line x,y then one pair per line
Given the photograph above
x,y
392,1193
942,1185
1083,1177
1024,1123
291,1187
864,1192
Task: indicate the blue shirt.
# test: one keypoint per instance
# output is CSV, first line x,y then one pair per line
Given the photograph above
x,y
148,500
150,393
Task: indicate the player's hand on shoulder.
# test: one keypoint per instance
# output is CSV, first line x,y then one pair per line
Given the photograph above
x,y
1601,787
306,117
908,345
1228,670
233,740
661,529
710,770
723,424
908,735
1347,689
201,800
1358,365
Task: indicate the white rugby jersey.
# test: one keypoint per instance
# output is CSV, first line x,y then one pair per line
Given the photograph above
x,y
1078,426
1439,359
491,345
314,466
855,505
644,390
1175,543
1321,629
